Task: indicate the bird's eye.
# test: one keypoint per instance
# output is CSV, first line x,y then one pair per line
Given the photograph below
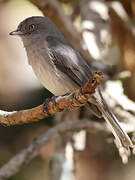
x,y
32,27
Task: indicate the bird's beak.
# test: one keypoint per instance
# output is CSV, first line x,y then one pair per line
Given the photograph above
x,y
16,32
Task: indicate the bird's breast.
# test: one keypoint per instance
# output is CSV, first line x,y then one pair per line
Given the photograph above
x,y
46,72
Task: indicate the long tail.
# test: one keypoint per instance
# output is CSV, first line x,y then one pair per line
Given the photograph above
x,y
111,120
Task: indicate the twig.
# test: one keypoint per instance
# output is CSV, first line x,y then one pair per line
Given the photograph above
x,y
32,150
69,101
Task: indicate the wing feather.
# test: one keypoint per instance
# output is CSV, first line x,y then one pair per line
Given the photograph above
x,y
68,61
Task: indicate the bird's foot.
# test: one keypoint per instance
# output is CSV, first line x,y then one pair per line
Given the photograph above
x,y
46,106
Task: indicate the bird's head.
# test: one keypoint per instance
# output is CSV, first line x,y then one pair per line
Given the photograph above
x,y
34,28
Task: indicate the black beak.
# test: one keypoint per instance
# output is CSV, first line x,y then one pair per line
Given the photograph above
x,y
16,32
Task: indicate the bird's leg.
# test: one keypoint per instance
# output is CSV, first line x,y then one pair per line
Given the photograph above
x,y
53,100
45,105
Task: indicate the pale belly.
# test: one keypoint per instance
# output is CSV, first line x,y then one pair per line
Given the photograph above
x,y
51,80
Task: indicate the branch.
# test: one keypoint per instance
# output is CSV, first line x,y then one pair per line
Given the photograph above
x,y
32,150
70,101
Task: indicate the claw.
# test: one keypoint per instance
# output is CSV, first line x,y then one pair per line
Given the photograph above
x,y
45,106
46,102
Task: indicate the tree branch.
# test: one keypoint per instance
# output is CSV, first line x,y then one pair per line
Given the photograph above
x,y
56,104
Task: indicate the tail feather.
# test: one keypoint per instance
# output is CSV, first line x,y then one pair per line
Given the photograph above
x,y
111,120
94,110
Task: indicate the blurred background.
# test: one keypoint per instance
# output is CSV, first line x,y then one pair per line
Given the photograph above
x,y
103,31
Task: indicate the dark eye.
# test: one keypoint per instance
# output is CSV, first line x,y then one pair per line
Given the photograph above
x,y
32,27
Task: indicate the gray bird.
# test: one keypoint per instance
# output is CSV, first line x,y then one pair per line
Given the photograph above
x,y
61,69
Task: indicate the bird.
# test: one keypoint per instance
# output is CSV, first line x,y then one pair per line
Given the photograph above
x,y
61,69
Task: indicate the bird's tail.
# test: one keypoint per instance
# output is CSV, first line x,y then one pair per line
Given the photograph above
x,y
120,135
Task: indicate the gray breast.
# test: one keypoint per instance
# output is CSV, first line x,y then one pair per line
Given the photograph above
x,y
53,80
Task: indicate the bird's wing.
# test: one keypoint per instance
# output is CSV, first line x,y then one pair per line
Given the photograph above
x,y
68,61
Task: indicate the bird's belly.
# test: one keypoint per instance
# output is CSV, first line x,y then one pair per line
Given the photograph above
x,y
52,83
47,75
